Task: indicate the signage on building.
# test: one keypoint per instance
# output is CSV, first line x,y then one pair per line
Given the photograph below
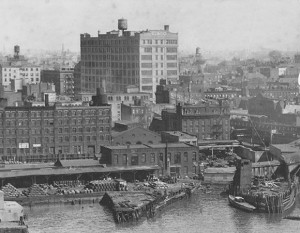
x,y
36,145
158,33
24,145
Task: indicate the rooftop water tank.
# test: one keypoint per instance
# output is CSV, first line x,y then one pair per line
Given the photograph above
x,y
122,24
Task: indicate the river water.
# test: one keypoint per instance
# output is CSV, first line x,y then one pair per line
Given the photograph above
x,y
200,213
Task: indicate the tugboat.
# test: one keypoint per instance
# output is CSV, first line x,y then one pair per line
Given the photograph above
x,y
240,203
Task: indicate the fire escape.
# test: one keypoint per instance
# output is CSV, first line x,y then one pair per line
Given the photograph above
x,y
217,126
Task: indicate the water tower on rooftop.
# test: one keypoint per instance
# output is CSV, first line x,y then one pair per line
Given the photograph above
x,y
122,24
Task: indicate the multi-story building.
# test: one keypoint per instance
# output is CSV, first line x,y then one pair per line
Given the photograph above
x,y
222,92
40,133
136,112
206,121
17,72
63,80
123,58
131,95
179,158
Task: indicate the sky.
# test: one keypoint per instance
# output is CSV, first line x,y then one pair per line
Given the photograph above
x,y
211,25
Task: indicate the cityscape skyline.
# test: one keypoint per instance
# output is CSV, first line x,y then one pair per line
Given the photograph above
x,y
239,25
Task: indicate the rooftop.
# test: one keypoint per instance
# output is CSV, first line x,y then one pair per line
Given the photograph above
x,y
180,134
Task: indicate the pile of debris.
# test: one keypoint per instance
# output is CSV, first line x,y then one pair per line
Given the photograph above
x,y
11,191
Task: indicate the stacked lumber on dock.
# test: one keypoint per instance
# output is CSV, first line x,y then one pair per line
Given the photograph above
x,y
11,191
36,190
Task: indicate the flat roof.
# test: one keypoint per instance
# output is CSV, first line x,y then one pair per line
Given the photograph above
x,y
180,134
71,171
146,146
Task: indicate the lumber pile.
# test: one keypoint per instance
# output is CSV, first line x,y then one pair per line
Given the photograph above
x,y
11,191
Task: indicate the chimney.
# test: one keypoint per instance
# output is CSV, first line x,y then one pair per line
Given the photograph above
x,y
98,91
166,27
46,100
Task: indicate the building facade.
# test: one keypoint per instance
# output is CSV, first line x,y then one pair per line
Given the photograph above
x,y
35,133
17,71
63,80
206,121
182,158
16,76
120,58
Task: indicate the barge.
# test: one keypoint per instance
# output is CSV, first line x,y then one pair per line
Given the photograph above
x,y
132,206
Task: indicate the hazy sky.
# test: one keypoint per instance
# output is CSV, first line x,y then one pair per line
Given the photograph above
x,y
209,24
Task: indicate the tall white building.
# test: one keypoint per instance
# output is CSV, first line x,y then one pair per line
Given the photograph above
x,y
17,72
121,58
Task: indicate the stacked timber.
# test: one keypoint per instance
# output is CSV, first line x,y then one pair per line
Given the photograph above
x,y
36,190
102,185
11,191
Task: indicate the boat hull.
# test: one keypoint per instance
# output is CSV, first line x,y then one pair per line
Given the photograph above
x,y
240,205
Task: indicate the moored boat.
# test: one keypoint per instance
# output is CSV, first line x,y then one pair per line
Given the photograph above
x,y
240,203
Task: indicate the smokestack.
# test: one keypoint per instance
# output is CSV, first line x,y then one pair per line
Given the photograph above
x,y
103,85
166,28
99,92
46,100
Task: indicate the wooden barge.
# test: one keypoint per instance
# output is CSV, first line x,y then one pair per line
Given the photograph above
x,y
267,196
131,206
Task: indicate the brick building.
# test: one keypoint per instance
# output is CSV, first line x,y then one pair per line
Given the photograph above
x,y
206,121
136,135
63,80
40,133
122,58
137,112
183,158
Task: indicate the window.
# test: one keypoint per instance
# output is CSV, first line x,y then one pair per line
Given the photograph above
x,y
148,50
186,170
116,158
125,159
177,158
185,156
143,158
152,158
194,156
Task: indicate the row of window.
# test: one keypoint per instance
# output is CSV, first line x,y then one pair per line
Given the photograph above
x,y
61,113
105,42
149,41
23,69
153,158
109,57
263,126
149,72
204,122
13,141
109,50
128,98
